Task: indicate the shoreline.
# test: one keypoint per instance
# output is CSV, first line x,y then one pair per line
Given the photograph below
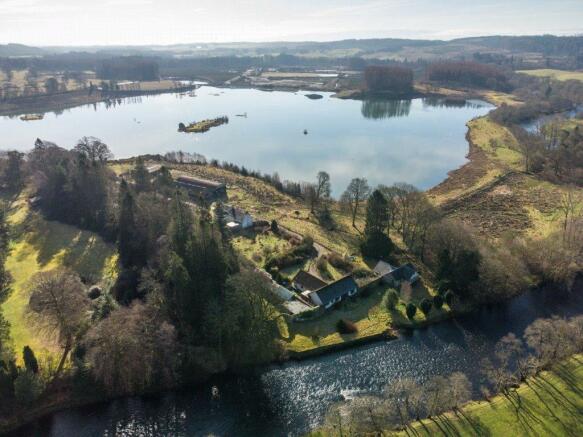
x,y
72,99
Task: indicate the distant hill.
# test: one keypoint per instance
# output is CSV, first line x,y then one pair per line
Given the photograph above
x,y
20,50
546,45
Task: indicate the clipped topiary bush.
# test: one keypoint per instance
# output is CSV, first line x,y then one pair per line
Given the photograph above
x,y
437,301
425,306
346,327
411,311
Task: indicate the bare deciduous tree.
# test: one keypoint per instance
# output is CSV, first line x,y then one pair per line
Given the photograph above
x,y
356,193
132,349
93,149
58,306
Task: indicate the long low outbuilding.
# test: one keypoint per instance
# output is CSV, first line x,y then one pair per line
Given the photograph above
x,y
202,189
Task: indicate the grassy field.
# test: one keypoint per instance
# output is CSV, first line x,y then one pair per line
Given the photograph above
x,y
40,245
555,74
493,194
20,82
548,405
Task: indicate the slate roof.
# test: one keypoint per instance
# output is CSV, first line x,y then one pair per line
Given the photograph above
x,y
201,187
404,272
308,281
198,183
336,289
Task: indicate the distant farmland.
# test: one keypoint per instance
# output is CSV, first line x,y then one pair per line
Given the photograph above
x,y
555,74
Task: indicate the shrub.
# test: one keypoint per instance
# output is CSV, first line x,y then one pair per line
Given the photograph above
x,y
425,306
346,327
361,272
322,265
411,311
449,297
392,299
94,292
308,242
437,301
340,262
274,226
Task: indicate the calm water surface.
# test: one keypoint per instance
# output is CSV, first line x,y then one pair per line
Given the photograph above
x,y
416,141
291,399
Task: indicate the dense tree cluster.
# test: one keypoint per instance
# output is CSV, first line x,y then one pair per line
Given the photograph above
x,y
128,68
393,79
74,186
181,307
468,73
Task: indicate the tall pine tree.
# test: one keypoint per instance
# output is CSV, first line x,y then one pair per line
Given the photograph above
x,y
376,244
132,252
141,176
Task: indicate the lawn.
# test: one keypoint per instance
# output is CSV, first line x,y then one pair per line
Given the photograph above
x,y
257,247
369,313
40,245
548,405
554,74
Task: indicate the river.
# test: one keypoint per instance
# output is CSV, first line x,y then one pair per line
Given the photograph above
x,y
291,399
416,141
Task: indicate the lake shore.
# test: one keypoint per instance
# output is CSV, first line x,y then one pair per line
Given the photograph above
x,y
70,99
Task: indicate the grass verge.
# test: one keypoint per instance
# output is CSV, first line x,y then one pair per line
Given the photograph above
x,y
550,404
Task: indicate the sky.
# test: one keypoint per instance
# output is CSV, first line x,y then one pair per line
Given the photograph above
x,y
141,22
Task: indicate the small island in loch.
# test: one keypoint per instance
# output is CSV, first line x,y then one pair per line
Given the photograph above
x,y
198,127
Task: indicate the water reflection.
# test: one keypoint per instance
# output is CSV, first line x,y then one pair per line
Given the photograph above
x,y
377,109
452,102
347,138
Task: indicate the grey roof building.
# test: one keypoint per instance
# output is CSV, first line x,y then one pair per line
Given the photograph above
x,y
202,189
334,292
304,281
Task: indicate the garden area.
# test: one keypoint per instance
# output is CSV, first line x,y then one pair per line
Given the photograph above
x,y
372,313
